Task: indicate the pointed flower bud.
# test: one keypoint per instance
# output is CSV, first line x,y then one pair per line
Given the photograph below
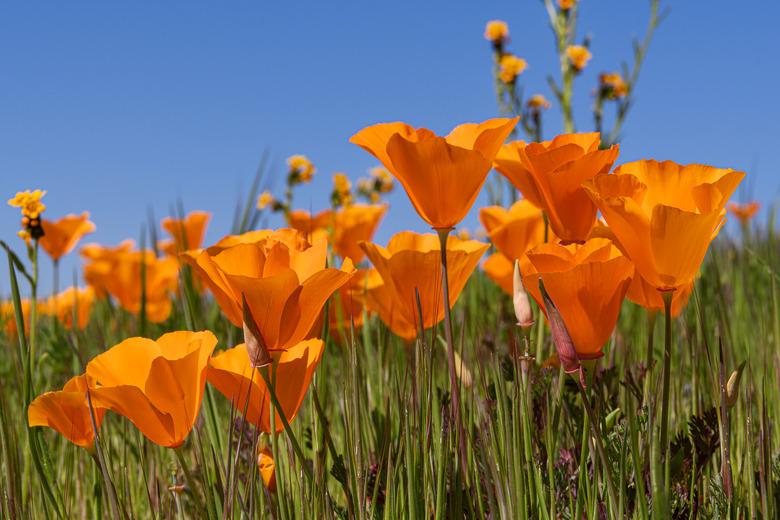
x,y
567,354
520,300
253,338
732,387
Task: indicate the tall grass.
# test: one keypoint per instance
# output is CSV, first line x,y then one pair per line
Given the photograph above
x,y
375,427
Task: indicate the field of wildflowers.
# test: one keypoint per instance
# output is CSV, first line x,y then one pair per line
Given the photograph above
x,y
601,348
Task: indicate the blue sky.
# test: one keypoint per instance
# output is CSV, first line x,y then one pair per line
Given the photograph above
x,y
114,109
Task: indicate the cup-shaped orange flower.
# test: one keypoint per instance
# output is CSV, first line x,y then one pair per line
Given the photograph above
x,y
513,231
308,224
354,224
413,261
267,467
284,281
67,412
550,175
346,308
664,215
61,236
72,301
499,269
119,273
8,316
231,373
441,175
186,233
586,283
157,385
644,294
744,212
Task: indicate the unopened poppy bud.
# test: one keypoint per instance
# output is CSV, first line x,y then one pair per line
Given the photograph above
x,y
267,467
732,387
520,300
255,345
567,354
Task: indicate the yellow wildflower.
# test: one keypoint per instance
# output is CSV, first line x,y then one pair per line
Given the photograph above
x,y
613,85
538,102
265,200
301,168
510,67
565,5
496,31
579,56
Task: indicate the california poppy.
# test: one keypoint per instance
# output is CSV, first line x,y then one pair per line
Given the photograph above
x,y
231,373
499,269
267,467
157,385
744,212
8,316
586,283
513,231
60,236
285,284
186,233
550,175
119,274
67,411
308,224
412,261
644,294
71,301
441,175
664,215
346,309
354,224
97,259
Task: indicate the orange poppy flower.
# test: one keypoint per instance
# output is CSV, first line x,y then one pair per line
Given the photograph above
x,y
513,231
550,175
644,294
285,283
412,261
354,224
63,305
744,212
97,257
186,233
441,175
157,385
664,215
60,236
586,283
232,375
308,224
346,308
119,274
8,316
499,269
267,467
67,411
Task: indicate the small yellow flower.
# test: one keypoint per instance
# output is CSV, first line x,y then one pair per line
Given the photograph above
x,y
24,235
613,84
301,168
510,67
565,5
341,183
538,102
496,31
342,190
579,56
382,178
29,202
265,200
464,234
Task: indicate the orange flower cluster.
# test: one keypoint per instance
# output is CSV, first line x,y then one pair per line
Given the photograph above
x,y
73,305
119,271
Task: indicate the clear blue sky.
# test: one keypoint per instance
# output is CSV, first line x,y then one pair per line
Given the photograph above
x,y
113,109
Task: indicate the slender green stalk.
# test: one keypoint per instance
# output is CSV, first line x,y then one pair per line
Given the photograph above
x,y
454,383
